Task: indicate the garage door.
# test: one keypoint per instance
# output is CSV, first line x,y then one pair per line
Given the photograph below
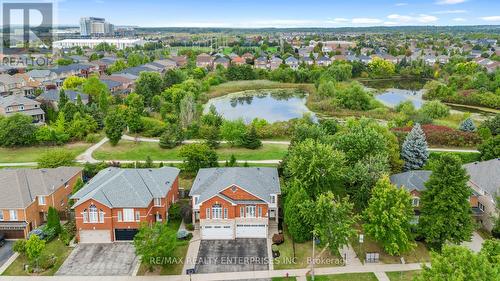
x,y
95,236
12,234
125,234
217,232
251,231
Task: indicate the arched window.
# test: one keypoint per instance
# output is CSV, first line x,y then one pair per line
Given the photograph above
x,y
92,214
85,217
216,211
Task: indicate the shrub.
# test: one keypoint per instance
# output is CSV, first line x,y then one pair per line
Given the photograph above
x,y
56,158
190,226
174,212
435,109
47,261
467,125
19,246
152,127
442,136
92,138
50,233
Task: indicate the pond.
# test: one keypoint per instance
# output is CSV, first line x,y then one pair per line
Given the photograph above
x,y
271,105
393,92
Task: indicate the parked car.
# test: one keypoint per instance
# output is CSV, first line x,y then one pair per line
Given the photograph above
x,y
2,239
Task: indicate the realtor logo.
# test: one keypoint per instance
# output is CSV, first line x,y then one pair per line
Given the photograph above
x,y
27,27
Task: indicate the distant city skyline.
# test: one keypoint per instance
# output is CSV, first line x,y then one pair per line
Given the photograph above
x,y
280,13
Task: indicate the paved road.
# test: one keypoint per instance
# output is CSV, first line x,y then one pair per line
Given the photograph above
x,y
6,252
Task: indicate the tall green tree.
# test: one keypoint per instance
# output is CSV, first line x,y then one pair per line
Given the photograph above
x,y
17,130
94,88
114,125
134,112
148,85
250,139
490,148
456,263
319,167
445,213
387,218
297,224
196,156
53,220
158,240
414,151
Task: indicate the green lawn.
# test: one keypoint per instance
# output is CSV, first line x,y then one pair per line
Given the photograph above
x,y
303,252
402,275
419,254
32,153
128,150
55,247
345,277
291,278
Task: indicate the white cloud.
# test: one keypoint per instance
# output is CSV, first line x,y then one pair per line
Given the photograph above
x,y
390,23
459,19
491,18
450,12
401,4
338,20
366,21
404,19
449,2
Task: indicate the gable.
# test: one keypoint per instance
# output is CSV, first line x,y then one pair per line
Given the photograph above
x,y
237,193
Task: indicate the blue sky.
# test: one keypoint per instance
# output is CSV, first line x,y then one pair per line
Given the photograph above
x,y
282,13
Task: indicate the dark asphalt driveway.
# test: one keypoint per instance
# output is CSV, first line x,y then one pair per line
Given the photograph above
x,y
244,254
6,252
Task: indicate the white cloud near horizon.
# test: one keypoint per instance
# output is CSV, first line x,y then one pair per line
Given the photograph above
x,y
449,12
491,18
449,2
403,19
459,19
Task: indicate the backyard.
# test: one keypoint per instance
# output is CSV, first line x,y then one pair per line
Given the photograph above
x,y
402,275
32,153
139,151
345,277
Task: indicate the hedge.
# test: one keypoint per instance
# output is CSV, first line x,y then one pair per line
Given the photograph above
x,y
442,136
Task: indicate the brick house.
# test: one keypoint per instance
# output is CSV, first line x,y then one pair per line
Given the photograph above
x,y
204,61
27,195
414,182
113,204
238,202
13,104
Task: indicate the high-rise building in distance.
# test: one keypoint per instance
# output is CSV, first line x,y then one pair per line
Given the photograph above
x,y
92,26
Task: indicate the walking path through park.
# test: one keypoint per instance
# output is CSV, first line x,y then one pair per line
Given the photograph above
x,y
86,156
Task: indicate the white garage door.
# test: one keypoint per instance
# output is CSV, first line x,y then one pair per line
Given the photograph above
x,y
251,231
95,236
217,232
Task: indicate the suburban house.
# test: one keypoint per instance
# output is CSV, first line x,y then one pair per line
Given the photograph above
x,y
27,195
238,60
181,61
204,60
13,104
323,61
11,85
247,57
223,61
275,62
52,97
113,204
237,202
484,183
292,62
260,63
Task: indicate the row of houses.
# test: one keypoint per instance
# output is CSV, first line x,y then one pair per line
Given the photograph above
x,y
227,203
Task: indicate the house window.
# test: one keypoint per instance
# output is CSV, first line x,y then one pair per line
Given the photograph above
x,y
85,217
242,212
196,200
9,109
250,211
128,215
93,214
157,202
480,206
217,211
21,107
260,212
101,216
137,216
225,213
273,199
13,215
120,216
208,213
1,215
66,185
41,200
415,202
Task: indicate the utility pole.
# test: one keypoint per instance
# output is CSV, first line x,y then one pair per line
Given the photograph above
x,y
313,259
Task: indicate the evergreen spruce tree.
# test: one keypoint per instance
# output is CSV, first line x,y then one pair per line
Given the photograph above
x,y
250,139
445,213
63,99
414,151
232,161
467,125
53,221
149,162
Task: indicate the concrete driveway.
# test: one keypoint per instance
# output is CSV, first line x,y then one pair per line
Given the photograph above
x,y
476,242
232,255
100,260
6,252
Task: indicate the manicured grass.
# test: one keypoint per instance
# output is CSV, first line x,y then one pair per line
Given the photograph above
x,y
291,278
345,277
303,252
54,247
419,254
32,153
127,150
402,275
